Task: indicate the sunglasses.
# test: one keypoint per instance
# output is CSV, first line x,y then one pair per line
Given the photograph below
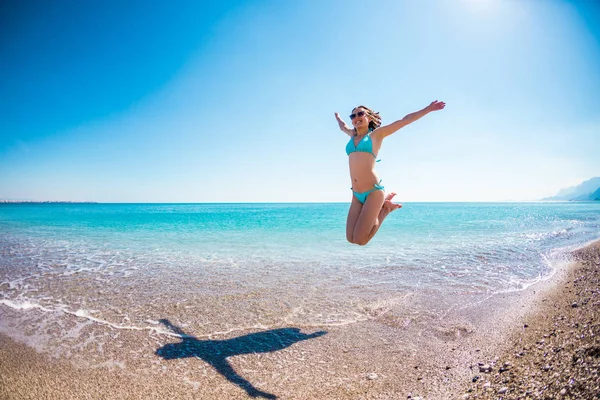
x,y
358,114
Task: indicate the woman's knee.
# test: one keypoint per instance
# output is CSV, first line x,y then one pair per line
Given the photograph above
x,y
358,242
361,242
353,241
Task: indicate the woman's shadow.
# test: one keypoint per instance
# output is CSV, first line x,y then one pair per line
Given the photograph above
x,y
215,352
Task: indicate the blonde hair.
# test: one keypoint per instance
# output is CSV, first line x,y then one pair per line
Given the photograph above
x,y
374,118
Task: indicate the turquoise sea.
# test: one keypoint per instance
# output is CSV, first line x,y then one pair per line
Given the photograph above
x,y
219,268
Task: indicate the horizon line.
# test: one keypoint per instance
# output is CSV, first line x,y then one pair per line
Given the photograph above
x,y
6,201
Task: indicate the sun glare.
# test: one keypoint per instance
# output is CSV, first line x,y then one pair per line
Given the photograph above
x,y
481,4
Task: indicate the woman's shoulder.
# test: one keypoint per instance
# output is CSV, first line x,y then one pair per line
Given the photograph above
x,y
377,134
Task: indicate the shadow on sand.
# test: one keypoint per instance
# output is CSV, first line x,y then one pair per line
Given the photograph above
x,y
215,352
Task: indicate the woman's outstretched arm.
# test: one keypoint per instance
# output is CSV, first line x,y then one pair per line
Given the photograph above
x,y
409,118
348,131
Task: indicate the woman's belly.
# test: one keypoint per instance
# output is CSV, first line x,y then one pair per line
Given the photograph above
x,y
362,172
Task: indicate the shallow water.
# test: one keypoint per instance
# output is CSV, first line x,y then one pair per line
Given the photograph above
x,y
221,268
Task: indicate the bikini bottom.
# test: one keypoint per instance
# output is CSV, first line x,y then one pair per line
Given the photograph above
x,y
362,197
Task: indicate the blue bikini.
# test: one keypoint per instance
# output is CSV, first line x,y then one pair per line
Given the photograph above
x,y
364,146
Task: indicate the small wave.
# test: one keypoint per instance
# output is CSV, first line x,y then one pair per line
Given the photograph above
x,y
546,235
24,305
27,305
14,284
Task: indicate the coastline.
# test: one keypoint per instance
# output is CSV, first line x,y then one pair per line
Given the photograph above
x,y
374,359
554,353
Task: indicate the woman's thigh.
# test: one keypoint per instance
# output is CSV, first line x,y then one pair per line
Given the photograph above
x,y
353,213
368,215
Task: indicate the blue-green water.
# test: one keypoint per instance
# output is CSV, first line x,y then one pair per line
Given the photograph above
x,y
235,266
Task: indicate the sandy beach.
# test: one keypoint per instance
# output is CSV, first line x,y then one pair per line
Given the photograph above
x,y
538,343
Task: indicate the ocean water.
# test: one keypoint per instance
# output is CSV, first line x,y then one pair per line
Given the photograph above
x,y
221,268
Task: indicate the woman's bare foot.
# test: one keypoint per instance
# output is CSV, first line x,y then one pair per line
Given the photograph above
x,y
388,205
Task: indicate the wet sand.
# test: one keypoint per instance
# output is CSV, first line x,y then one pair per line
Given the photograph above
x,y
386,357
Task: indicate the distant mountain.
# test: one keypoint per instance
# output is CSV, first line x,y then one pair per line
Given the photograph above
x,y
588,190
591,196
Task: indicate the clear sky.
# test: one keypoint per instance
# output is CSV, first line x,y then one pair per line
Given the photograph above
x,y
230,101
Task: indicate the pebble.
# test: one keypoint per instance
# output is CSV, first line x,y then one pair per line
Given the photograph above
x,y
503,390
485,368
372,376
563,392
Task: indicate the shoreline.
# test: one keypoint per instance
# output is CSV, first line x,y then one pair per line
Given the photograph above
x,y
555,352
373,359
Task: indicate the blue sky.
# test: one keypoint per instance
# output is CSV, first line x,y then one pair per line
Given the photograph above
x,y
233,101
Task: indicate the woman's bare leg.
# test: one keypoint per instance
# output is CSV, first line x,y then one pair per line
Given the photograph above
x,y
387,208
362,235
368,217
353,213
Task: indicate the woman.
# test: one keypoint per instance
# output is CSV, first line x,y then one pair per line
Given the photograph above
x,y
370,205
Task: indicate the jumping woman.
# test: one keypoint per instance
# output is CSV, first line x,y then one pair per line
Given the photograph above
x,y
370,205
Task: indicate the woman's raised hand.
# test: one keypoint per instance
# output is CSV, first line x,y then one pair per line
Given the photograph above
x,y
436,105
341,123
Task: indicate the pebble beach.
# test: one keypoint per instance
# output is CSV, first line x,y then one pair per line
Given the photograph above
x,y
554,352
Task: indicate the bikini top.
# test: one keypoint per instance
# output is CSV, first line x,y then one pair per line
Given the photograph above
x,y
365,145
